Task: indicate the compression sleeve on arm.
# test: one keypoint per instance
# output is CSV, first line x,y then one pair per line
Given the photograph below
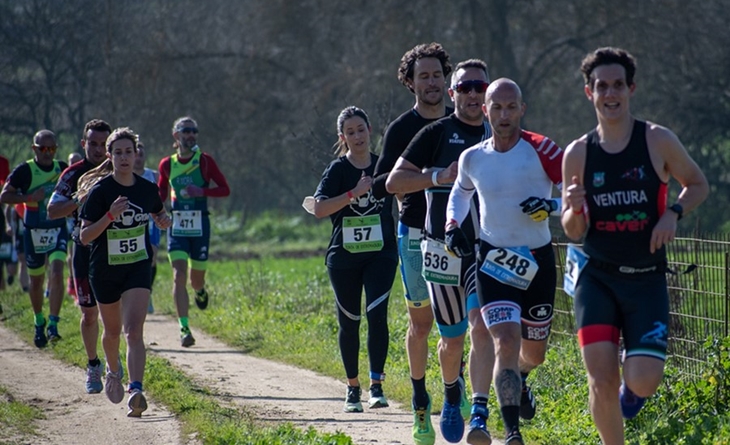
x,y
460,196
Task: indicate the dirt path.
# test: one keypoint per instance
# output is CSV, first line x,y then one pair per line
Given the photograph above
x,y
72,416
276,392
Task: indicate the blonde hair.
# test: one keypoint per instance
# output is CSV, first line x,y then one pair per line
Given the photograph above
x,y
89,179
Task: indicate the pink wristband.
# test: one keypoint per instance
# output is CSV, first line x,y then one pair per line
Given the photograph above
x,y
110,216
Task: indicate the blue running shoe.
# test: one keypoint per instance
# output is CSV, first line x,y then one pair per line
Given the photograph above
x,y
631,404
478,433
452,423
93,379
53,333
40,339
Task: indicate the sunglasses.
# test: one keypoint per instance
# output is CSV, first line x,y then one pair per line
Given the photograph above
x,y
465,86
186,130
42,149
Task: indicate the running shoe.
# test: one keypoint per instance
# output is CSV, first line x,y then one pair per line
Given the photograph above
x,y
93,379
186,337
377,399
514,438
478,433
201,299
452,423
114,389
352,401
464,405
423,432
40,339
137,404
527,403
53,333
631,404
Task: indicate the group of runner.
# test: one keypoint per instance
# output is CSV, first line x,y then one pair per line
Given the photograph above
x,y
474,192
116,205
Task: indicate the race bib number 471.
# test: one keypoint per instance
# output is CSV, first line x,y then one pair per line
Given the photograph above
x,y
187,223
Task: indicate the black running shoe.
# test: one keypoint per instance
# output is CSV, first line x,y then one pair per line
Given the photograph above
x,y
186,337
40,339
514,438
527,403
201,299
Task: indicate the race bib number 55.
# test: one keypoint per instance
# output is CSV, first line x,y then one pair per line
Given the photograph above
x,y
126,246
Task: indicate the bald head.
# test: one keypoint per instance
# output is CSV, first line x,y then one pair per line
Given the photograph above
x,y
44,138
504,86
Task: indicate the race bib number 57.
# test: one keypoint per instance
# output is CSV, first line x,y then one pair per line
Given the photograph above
x,y
362,234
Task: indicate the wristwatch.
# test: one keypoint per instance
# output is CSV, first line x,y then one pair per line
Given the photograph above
x,y
677,208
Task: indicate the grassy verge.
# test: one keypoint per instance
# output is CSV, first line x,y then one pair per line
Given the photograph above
x,y
208,419
17,419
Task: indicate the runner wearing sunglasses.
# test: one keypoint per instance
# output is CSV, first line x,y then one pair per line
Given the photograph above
x,y
31,184
429,163
187,177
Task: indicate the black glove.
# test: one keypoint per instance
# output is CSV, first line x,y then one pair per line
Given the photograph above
x,y
457,244
538,208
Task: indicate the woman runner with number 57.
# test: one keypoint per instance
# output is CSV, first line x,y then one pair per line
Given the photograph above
x,y
362,252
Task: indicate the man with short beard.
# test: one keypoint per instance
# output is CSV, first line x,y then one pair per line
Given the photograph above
x,y
64,203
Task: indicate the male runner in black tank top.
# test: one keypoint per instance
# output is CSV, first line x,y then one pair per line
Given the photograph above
x,y
616,197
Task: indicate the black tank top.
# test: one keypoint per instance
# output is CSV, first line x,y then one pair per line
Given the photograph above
x,y
625,198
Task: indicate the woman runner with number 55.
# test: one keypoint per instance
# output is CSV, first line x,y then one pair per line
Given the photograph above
x,y
362,252
115,219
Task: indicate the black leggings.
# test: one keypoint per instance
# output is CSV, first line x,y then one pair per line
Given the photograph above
x,y
377,278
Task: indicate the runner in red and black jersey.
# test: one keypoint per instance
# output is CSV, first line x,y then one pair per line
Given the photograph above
x,y
616,196
64,203
190,177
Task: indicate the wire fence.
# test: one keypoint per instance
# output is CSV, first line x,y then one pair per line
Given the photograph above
x,y
699,296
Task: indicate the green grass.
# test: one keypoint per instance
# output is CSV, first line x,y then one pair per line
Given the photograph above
x,y
283,309
210,419
17,418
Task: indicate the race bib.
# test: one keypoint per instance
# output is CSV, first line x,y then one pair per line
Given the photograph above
x,y
414,239
187,223
6,250
362,234
438,266
126,246
514,266
575,262
44,240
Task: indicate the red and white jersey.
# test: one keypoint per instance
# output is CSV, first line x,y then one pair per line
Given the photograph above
x,y
503,181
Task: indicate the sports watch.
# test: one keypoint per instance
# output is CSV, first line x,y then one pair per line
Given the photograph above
x,y
677,208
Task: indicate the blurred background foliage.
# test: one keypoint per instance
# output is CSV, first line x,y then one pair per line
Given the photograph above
x,y
266,79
